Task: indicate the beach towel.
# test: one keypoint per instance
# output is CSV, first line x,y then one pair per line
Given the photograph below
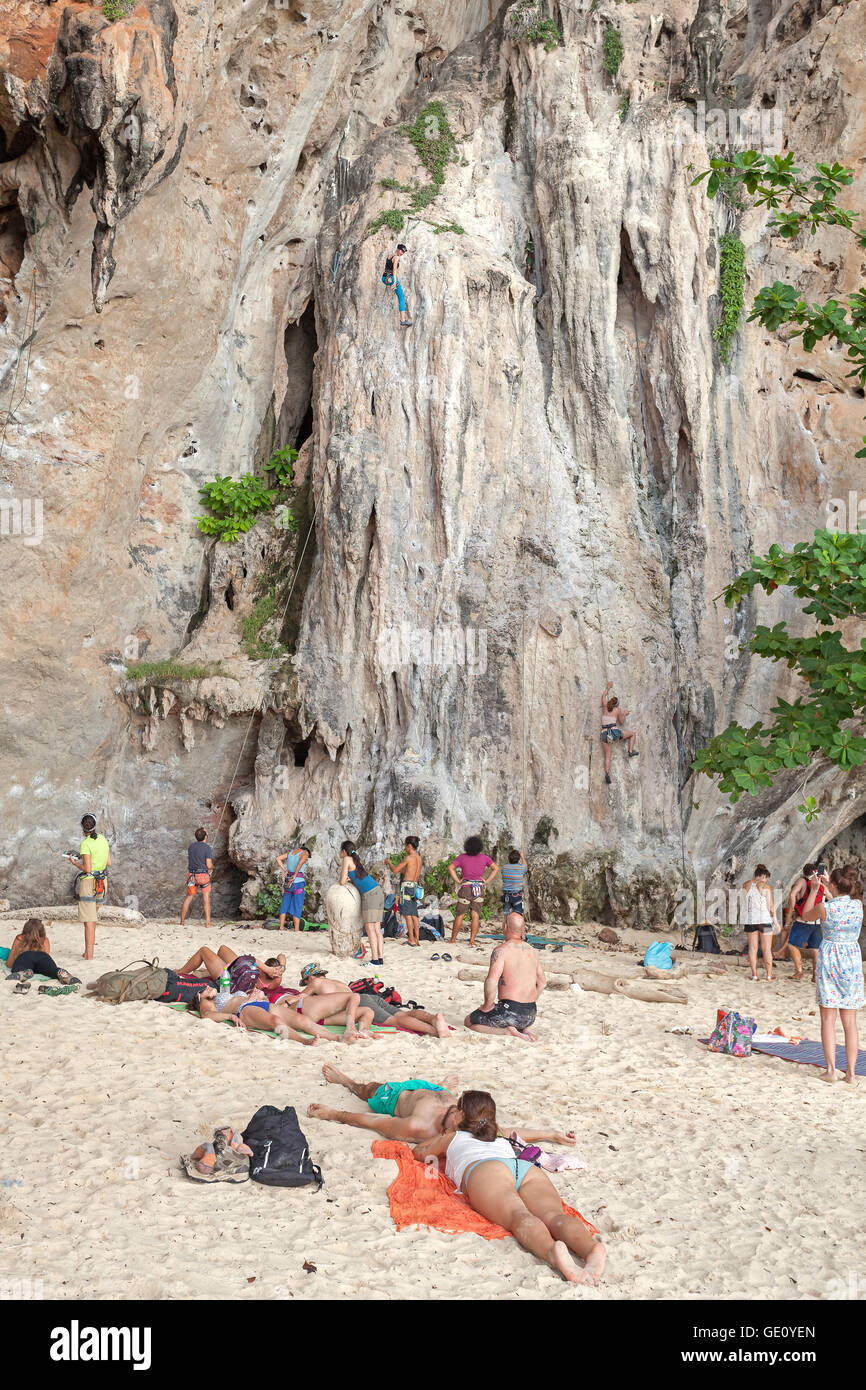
x,y
417,1199
336,1028
812,1053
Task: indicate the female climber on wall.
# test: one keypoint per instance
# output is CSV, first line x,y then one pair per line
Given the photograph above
x,y
390,278
372,897
613,729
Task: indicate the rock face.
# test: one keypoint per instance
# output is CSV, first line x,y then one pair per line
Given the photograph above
x,y
540,486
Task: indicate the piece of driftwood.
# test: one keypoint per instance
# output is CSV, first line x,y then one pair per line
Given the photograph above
x,y
66,912
476,974
650,993
594,980
652,972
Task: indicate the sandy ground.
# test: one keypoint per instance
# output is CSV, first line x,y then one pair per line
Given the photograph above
x,y
708,1176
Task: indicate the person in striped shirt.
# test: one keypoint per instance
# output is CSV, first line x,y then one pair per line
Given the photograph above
x,y
513,874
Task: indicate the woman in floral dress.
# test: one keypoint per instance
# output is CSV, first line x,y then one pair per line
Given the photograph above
x,y
840,965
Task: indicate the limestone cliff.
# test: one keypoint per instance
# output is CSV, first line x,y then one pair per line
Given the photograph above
x,y
542,484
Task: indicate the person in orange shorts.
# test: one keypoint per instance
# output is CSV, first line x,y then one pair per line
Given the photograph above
x,y
199,870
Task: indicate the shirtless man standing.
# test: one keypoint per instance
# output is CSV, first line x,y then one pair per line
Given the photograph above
x,y
514,982
414,1111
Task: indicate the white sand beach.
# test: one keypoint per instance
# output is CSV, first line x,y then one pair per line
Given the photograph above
x,y
708,1176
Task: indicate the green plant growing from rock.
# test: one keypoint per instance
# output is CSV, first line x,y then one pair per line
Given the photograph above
x,y
235,504
528,23
257,647
117,9
612,50
155,671
732,283
435,144
622,110
269,899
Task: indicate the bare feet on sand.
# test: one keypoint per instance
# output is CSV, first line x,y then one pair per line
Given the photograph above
x,y
525,1036
827,1075
594,1264
336,1078
562,1260
442,1029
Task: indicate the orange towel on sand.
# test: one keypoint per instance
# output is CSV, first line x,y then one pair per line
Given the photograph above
x,y
419,1200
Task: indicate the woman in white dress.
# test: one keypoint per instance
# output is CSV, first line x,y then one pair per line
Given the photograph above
x,y
839,975
761,919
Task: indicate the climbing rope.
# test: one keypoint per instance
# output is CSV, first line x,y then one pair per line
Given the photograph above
x,y
667,567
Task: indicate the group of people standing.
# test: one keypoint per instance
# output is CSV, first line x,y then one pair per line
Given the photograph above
x,y
824,917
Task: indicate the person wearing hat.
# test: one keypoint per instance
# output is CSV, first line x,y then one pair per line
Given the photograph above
x,y
326,1001
390,278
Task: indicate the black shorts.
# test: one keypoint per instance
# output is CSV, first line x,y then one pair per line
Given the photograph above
x,y
512,900
506,1013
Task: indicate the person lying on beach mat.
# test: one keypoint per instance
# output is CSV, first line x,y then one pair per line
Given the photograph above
x,y
409,1110
245,972
327,1001
30,955
255,1011
510,1190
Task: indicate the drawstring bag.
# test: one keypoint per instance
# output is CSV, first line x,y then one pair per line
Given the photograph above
x,y
732,1035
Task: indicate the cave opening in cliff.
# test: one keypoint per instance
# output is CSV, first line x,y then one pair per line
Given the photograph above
x,y
296,416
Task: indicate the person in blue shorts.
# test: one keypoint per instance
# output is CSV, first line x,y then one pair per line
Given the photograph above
x,y
390,278
294,885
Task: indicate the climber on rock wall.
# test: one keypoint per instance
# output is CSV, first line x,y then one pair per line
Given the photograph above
x,y
390,278
613,729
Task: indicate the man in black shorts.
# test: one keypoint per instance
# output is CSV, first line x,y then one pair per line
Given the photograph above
x,y
514,982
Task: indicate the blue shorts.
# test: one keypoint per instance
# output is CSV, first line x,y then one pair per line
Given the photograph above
x,y
808,935
518,1167
255,1004
383,1100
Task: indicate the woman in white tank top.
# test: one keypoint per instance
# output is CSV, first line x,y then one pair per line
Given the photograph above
x,y
512,1191
760,920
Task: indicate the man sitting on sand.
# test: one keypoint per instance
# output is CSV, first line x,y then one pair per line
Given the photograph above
x,y
413,1111
514,982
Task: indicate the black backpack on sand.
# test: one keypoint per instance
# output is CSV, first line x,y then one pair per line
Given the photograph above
x,y
281,1155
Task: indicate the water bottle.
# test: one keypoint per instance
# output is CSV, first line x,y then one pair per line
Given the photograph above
x,y
225,985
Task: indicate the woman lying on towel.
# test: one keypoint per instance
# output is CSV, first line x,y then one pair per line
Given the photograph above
x,y
31,955
253,1010
511,1191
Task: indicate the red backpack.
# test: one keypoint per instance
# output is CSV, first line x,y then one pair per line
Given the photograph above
x,y
386,993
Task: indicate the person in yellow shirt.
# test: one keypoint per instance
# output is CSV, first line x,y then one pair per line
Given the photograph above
x,y
94,862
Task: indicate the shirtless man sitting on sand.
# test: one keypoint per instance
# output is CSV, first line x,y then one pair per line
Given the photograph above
x,y
514,982
410,1110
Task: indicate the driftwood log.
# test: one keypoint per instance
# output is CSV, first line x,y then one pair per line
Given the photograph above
x,y
477,973
66,912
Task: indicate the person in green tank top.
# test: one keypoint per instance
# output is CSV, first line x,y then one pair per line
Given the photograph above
x,y
94,862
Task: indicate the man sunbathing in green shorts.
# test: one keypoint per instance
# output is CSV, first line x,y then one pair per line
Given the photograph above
x,y
409,1110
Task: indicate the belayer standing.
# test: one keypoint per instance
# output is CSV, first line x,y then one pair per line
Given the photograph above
x,y
92,880
391,278
199,871
294,885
